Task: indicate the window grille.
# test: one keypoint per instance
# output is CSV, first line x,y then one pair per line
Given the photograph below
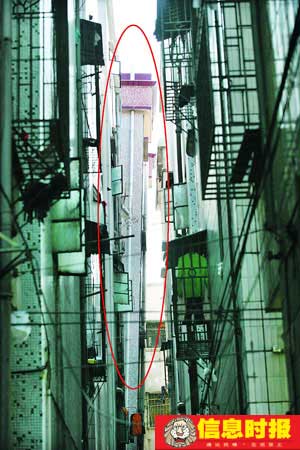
x,y
151,333
40,123
227,102
157,406
191,311
173,28
95,332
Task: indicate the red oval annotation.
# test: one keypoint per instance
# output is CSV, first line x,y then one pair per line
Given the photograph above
x,y
142,381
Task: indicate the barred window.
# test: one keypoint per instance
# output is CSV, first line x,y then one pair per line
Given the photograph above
x,y
157,405
151,332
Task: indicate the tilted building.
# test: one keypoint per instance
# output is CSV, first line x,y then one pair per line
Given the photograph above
x,y
138,99
59,384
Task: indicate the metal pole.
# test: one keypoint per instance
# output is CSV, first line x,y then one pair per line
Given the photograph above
x,y
178,139
237,327
194,387
5,217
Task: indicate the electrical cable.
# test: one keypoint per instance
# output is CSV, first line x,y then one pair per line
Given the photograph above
x,y
39,324
29,371
214,311
90,422
210,241
62,417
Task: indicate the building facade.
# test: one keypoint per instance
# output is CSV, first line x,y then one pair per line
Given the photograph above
x,y
231,101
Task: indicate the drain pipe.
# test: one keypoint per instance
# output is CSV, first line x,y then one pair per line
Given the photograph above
x,y
131,182
5,217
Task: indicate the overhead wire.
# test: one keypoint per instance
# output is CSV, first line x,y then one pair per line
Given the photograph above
x,y
209,241
39,324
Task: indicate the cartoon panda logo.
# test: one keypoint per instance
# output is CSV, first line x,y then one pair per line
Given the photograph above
x,y
180,432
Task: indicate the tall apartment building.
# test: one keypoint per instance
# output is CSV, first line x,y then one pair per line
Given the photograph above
x,y
231,82
59,386
47,216
138,99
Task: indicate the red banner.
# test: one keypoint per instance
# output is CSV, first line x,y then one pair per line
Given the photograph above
x,y
228,432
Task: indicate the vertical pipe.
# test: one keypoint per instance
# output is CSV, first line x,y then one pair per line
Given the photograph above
x,y
193,375
98,427
141,354
176,376
131,182
165,370
5,217
179,155
108,283
97,102
83,331
111,373
237,327
178,137
173,350
84,370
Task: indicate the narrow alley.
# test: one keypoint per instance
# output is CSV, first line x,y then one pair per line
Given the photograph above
x,y
149,216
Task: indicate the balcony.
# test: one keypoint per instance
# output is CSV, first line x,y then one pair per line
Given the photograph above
x,y
173,29
227,103
96,367
122,292
40,122
95,334
193,341
179,209
190,308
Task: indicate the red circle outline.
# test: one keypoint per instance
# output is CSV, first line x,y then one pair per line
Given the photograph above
x,y
141,383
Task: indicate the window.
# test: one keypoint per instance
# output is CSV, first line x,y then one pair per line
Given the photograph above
x,y
117,180
151,332
91,43
158,404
